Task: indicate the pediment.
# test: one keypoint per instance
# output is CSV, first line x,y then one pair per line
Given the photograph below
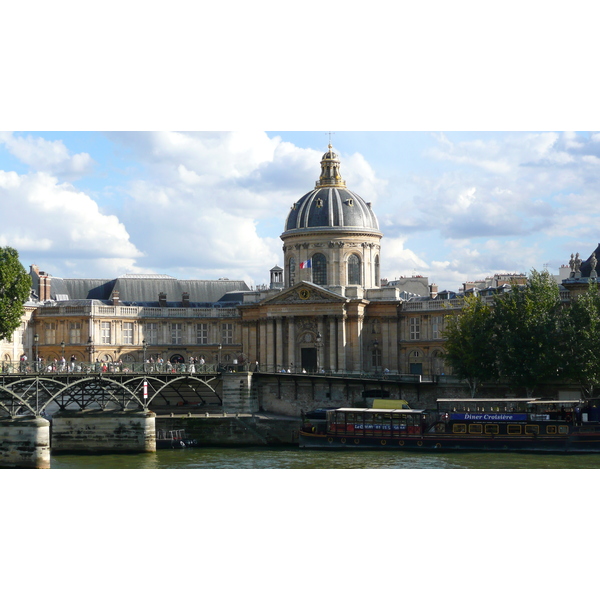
x,y
305,293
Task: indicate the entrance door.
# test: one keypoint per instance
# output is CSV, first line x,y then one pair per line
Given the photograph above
x,y
309,359
416,368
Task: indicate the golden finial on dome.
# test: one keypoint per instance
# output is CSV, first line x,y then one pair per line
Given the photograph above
x,y
330,169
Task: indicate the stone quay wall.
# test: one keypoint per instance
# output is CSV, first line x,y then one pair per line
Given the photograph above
x,y
231,430
98,432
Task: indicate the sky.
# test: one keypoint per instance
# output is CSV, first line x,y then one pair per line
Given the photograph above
x,y
452,206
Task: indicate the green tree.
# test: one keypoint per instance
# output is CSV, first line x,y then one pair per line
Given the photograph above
x,y
580,341
527,332
15,285
469,347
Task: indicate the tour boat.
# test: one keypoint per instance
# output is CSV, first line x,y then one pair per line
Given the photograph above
x,y
507,424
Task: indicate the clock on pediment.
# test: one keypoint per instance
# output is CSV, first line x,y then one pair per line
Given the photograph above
x,y
304,294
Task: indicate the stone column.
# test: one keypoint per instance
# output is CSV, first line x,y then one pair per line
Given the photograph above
x,y
341,343
270,350
261,355
25,443
393,348
278,342
333,342
291,342
385,345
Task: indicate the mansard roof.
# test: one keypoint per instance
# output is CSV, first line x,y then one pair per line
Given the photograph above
x,y
146,289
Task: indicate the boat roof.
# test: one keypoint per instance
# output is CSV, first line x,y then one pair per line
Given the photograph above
x,y
381,410
462,400
542,401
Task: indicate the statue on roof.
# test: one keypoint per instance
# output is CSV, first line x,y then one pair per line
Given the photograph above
x,y
577,265
593,263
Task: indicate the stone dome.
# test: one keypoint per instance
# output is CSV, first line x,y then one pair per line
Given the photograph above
x,y
331,205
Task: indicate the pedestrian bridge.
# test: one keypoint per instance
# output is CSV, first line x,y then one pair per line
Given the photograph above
x,y
40,394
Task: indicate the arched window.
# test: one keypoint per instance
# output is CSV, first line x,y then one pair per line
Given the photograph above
x,y
319,269
377,279
291,275
354,270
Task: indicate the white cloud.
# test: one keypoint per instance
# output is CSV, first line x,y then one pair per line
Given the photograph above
x,y
47,156
42,217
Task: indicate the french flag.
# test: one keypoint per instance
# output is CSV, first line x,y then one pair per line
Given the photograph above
x,y
307,264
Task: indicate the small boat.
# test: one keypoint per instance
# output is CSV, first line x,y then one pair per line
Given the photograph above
x,y
175,438
507,424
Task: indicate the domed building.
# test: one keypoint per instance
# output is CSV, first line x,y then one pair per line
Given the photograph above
x,y
331,235
325,309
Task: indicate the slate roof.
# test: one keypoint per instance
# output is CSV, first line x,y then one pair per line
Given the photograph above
x,y
146,289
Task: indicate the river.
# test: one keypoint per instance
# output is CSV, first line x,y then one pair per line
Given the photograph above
x,y
295,458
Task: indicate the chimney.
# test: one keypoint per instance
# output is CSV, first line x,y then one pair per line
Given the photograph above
x,y
185,299
115,297
162,299
433,291
44,286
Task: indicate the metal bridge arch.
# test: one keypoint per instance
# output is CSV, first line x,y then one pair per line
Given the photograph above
x,y
36,394
26,395
157,387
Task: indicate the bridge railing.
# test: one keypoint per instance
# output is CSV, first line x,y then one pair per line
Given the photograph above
x,y
85,368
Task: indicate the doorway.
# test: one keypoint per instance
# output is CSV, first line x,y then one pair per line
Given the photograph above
x,y
309,359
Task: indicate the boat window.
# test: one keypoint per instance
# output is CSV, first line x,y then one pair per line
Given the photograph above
x,y
550,428
368,424
513,429
475,428
535,429
563,429
379,424
459,428
493,429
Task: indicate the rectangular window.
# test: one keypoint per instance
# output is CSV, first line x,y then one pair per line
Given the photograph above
x,y
151,333
176,333
532,429
227,333
459,428
75,333
202,333
415,327
492,429
563,429
475,428
105,332
551,429
436,327
513,429
128,333
50,333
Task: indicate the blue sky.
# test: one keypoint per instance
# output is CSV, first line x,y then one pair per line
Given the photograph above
x,y
453,206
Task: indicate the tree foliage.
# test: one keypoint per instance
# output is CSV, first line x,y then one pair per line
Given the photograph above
x,y
580,341
527,333
469,344
15,285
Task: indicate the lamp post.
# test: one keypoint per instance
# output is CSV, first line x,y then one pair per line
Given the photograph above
x,y
90,345
318,345
220,348
144,348
36,340
63,362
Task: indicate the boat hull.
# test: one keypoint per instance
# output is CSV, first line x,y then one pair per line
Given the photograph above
x,y
572,443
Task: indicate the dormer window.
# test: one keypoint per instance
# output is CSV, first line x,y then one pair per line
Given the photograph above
x,y
350,202
319,203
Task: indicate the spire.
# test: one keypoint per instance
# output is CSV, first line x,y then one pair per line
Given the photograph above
x,y
330,170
